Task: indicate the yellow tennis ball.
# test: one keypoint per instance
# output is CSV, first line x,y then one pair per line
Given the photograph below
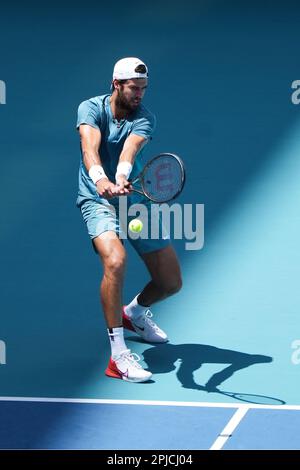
x,y
136,225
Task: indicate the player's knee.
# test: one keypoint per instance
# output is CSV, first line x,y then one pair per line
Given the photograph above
x,y
173,286
115,264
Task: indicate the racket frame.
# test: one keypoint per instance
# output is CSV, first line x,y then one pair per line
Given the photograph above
x,y
140,177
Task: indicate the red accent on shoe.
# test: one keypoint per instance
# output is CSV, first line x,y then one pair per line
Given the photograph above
x,y
112,370
126,321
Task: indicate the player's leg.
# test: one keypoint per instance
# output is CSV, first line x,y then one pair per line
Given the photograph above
x,y
165,274
122,363
164,269
113,257
161,261
109,247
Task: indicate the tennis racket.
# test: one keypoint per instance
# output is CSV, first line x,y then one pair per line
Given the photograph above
x,y
162,178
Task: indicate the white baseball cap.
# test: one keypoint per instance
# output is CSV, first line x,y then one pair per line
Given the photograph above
x,y
130,67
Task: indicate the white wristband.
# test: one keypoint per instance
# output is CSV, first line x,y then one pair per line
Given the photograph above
x,y
96,173
124,168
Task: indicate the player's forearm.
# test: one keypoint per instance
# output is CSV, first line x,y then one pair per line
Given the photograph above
x,y
131,148
125,165
90,138
92,162
90,158
128,155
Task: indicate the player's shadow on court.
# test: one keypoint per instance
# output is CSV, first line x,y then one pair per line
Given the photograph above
x,y
162,358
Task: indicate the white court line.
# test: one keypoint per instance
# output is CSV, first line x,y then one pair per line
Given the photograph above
x,y
151,402
229,428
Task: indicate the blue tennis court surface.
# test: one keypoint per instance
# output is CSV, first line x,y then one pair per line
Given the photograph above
x,y
267,429
99,424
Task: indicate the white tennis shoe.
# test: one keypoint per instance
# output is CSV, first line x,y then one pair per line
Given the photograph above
x,y
145,327
127,367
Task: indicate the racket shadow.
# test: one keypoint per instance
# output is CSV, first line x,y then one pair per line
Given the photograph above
x,y
252,398
162,358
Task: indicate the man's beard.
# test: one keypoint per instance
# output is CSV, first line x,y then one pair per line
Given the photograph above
x,y
123,104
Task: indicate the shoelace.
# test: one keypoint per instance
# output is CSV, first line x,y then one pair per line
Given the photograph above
x,y
132,358
149,315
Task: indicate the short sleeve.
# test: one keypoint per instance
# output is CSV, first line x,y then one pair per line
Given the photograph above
x,y
88,113
144,126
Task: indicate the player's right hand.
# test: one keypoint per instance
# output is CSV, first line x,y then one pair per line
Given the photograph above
x,y
106,188
124,186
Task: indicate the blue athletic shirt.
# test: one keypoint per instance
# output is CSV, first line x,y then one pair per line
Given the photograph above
x,y
96,112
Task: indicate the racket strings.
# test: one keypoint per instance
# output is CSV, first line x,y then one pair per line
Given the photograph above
x,y
163,178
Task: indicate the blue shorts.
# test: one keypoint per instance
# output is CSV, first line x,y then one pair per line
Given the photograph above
x,y
102,215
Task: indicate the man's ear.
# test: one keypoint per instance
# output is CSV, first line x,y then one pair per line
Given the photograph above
x,y
116,84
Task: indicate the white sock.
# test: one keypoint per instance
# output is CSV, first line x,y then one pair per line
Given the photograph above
x,y
117,343
134,310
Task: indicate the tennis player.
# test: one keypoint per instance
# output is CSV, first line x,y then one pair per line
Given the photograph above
x,y
113,130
